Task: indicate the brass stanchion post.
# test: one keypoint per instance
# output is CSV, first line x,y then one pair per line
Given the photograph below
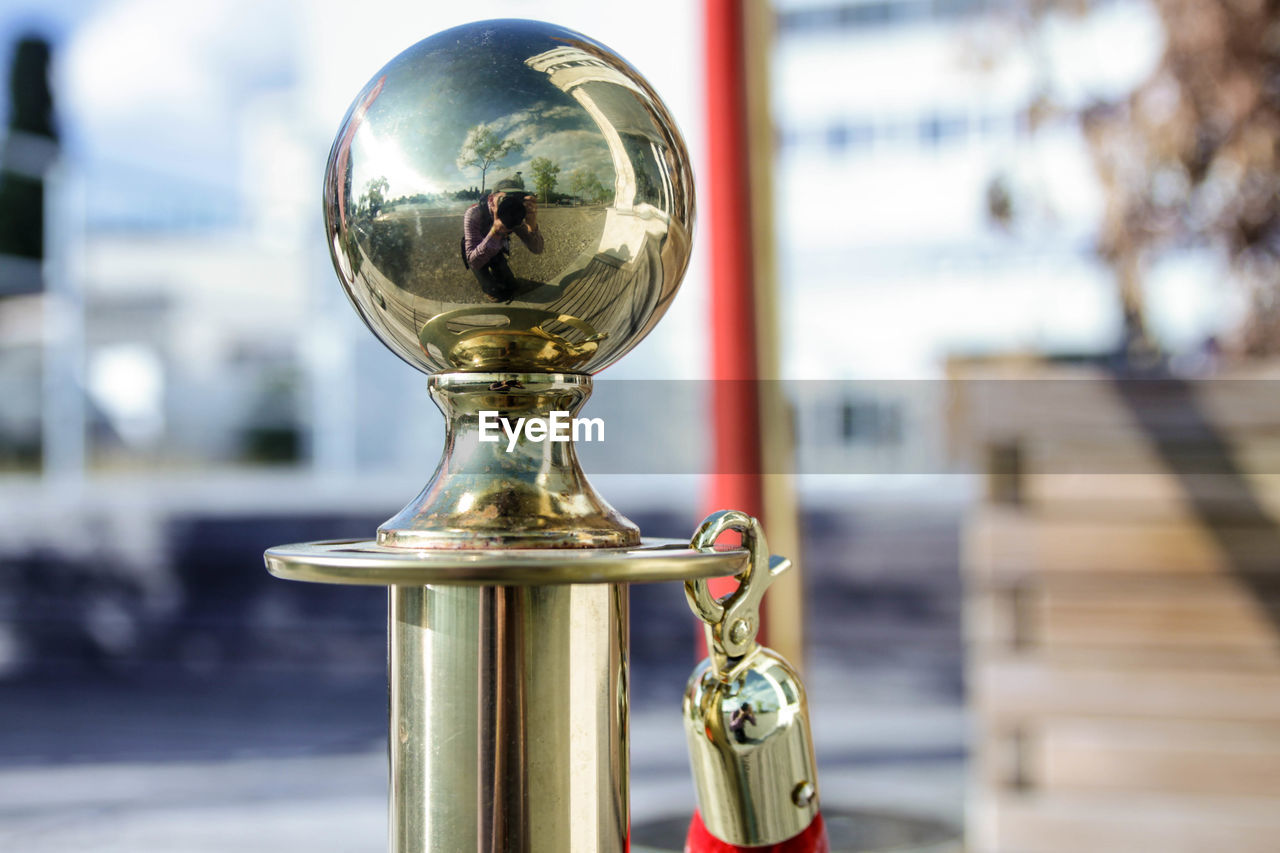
x,y
509,208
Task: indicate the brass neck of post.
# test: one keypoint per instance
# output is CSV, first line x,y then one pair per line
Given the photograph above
x,y
513,492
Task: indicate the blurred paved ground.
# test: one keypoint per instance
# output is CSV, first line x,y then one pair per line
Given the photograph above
x,y
204,755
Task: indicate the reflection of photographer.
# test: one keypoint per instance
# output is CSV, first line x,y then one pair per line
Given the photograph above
x,y
738,722
486,237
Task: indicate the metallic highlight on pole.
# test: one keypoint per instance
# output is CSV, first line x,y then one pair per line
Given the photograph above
x,y
509,718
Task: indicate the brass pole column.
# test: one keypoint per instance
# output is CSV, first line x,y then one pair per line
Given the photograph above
x,y
509,718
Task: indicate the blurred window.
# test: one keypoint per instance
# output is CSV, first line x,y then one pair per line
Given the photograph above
x,y
837,137
126,382
870,422
938,130
877,13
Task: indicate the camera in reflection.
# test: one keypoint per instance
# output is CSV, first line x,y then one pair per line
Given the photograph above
x,y
511,209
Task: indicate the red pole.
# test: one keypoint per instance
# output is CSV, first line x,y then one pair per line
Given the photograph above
x,y
735,481
735,419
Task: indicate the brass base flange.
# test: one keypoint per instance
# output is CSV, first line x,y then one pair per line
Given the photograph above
x,y
368,563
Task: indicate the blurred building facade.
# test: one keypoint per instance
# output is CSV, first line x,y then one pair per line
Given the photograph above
x,y
929,208
213,332
191,342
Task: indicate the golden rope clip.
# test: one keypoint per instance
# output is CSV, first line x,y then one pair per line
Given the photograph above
x,y
733,621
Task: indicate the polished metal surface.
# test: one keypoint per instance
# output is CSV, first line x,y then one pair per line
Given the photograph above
x,y
745,714
509,719
533,110
356,562
732,624
507,494
751,750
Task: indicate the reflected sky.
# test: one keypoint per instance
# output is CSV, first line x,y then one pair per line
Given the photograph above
x,y
507,96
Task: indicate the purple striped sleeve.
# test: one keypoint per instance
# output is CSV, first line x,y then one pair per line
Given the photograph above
x,y
481,245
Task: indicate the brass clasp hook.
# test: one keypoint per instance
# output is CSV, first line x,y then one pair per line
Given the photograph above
x,y
733,621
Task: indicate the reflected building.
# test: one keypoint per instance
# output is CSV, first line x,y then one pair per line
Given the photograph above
x,y
913,269
642,175
637,224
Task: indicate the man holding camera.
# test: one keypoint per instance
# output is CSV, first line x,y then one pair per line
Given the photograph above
x,y
486,237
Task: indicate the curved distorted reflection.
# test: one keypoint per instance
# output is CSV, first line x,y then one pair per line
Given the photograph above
x,y
763,703
509,195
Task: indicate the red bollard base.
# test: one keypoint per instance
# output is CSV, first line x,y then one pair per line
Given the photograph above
x,y
812,840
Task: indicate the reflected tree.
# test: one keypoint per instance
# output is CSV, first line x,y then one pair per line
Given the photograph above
x,y
585,184
373,199
482,148
386,243
544,177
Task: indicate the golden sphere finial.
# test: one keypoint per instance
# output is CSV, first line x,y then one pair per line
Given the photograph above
x,y
509,196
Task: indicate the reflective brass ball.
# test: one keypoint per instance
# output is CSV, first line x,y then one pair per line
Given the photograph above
x,y
509,196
